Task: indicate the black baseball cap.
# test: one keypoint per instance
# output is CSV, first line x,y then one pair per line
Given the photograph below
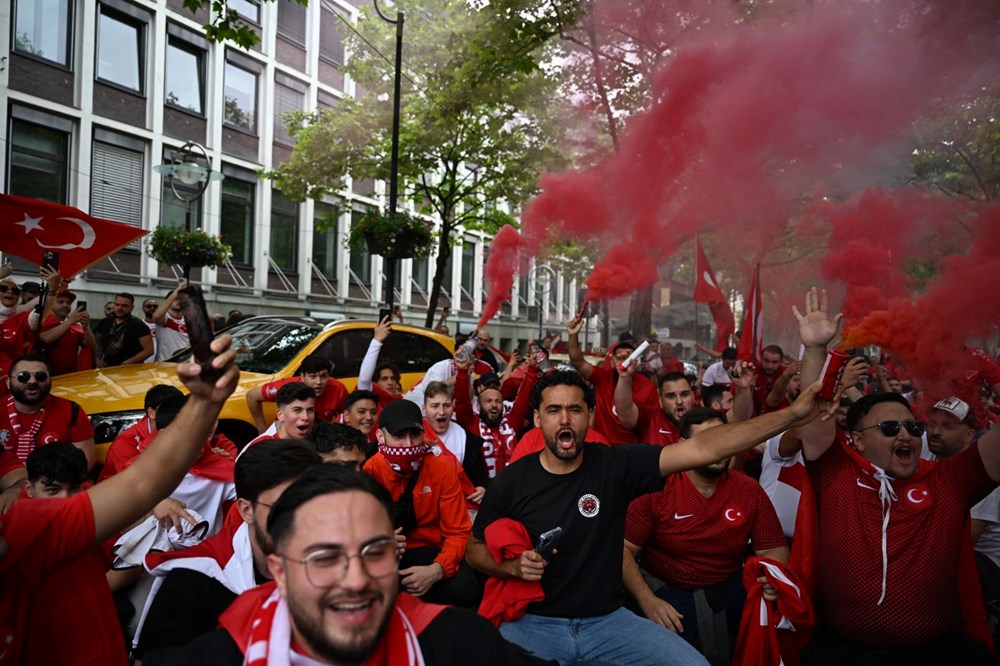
x,y
401,415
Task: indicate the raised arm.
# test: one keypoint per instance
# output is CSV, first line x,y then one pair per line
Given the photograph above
x,y
133,492
522,401
628,411
161,312
463,395
573,346
816,330
744,382
366,374
723,441
255,403
780,387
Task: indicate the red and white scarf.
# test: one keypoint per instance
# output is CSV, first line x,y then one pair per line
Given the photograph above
x,y
25,439
260,624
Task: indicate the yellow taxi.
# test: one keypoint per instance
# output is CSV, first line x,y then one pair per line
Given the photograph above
x,y
268,348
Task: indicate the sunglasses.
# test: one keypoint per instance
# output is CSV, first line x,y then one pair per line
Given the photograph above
x,y
14,290
39,376
892,428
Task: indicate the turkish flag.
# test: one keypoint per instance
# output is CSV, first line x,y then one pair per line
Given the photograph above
x,y
32,227
706,290
752,333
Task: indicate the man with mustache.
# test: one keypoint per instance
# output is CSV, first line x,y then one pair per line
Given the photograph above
x,y
335,597
660,425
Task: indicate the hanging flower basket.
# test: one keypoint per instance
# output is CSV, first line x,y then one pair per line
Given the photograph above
x,y
400,236
177,245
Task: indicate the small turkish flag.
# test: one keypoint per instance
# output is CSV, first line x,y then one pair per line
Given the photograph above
x,y
752,333
31,227
706,290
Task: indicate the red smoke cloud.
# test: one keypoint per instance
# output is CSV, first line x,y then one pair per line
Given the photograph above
x,y
751,119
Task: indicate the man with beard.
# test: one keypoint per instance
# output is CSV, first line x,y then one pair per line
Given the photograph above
x,y
655,426
769,373
17,326
429,507
605,379
65,333
693,538
585,489
890,525
497,430
329,393
335,599
200,582
439,406
121,338
31,417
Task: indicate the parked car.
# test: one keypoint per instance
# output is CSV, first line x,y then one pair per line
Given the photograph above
x,y
268,348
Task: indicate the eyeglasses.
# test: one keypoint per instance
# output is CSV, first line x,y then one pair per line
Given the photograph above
x,y
39,376
327,567
14,290
892,428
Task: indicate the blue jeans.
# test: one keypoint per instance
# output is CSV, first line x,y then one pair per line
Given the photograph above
x,y
621,638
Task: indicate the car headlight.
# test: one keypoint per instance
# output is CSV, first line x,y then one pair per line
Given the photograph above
x,y
107,426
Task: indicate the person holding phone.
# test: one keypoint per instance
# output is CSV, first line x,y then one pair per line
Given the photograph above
x,y
67,340
171,329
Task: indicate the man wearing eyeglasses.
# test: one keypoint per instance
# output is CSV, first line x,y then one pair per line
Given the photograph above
x,y
336,599
18,326
30,417
891,526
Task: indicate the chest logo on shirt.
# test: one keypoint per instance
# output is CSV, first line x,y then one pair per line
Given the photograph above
x,y
4,436
589,505
50,438
734,515
919,496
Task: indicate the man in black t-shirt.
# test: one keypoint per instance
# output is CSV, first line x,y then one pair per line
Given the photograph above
x,y
121,338
585,489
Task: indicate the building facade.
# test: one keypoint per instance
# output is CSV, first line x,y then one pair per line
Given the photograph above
x,y
96,93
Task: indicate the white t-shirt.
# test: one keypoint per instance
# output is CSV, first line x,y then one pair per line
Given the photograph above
x,y
716,374
779,478
989,510
152,334
454,440
171,336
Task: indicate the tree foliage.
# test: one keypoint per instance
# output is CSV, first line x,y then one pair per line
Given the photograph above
x,y
477,122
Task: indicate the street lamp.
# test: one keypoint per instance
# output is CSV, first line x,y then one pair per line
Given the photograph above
x,y
541,278
390,266
191,165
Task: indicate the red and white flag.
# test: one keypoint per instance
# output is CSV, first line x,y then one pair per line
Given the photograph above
x,y
32,227
706,290
752,333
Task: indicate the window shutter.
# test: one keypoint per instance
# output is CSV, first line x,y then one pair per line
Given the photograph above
x,y
286,100
116,185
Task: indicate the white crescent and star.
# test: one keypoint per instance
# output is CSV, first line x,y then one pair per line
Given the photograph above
x,y
731,518
34,223
909,496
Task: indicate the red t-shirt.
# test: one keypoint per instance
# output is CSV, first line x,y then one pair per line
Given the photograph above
x,y
8,462
762,389
64,353
692,541
922,541
55,605
328,406
656,427
57,425
125,447
605,416
16,338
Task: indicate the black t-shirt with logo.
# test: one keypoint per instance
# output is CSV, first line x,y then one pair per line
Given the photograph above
x,y
584,578
119,342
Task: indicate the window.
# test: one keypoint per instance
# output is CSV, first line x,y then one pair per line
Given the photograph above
x,y
248,9
116,178
361,261
236,224
284,231
292,22
331,47
241,98
38,161
468,267
419,272
185,87
42,28
172,209
121,57
286,100
413,353
325,242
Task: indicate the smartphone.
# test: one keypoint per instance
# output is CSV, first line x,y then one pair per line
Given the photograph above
x,y
81,306
199,330
547,542
50,259
383,313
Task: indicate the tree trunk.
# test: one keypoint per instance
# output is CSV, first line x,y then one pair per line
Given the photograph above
x,y
444,253
640,316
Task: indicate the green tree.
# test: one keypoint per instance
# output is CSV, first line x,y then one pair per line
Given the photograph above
x,y
477,123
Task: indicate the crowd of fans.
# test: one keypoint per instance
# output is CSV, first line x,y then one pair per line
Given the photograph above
x,y
499,512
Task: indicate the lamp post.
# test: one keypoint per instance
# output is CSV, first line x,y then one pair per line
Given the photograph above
x,y
541,278
191,165
390,265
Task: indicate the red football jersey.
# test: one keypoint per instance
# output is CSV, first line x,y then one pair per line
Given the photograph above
x,y
328,406
656,427
691,541
605,417
64,354
923,538
57,425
